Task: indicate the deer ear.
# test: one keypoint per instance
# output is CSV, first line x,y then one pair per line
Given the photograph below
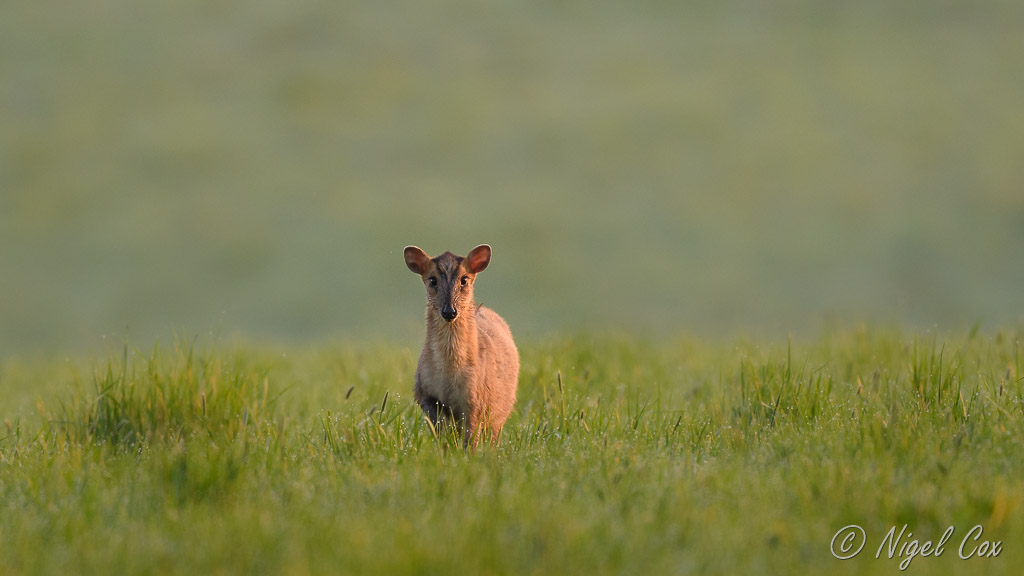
x,y
478,259
416,259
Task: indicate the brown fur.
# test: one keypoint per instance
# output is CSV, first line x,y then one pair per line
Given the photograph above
x,y
468,370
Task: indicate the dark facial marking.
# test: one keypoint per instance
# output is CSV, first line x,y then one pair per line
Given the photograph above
x,y
448,268
447,265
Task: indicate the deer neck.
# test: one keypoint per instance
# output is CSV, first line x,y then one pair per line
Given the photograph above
x,y
455,342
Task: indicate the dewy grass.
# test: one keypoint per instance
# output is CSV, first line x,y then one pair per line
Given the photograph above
x,y
622,457
143,402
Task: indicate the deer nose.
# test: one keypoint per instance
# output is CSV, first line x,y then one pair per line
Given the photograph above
x,y
449,312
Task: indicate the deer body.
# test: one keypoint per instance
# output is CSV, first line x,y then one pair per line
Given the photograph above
x,y
468,370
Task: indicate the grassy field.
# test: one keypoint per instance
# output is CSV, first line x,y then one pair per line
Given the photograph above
x,y
623,457
253,170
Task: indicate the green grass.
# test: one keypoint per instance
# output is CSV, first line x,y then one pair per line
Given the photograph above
x,y
682,456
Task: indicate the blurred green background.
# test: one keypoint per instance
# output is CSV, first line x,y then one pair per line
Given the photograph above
x,y
651,167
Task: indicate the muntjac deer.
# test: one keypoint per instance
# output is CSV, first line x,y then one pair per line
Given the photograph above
x,y
468,370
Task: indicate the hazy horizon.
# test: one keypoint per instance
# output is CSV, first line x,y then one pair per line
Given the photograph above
x,y
650,168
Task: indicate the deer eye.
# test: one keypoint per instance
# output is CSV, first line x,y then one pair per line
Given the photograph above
x,y
433,282
465,280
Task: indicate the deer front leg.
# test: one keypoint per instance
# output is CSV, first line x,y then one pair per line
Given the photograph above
x,y
430,405
473,430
